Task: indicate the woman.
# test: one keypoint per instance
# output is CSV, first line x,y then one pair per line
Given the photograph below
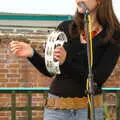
x,y
69,88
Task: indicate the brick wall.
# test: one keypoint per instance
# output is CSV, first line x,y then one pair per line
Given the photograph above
x,y
18,72
111,99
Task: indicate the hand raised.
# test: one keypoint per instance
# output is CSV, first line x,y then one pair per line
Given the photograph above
x,y
21,49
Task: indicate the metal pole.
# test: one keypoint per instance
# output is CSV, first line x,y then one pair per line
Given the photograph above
x,y
90,75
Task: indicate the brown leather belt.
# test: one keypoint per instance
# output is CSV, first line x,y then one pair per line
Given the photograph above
x,y
72,103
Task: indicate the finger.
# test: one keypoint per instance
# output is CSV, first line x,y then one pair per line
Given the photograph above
x,y
56,58
56,55
14,42
58,47
58,50
16,52
15,48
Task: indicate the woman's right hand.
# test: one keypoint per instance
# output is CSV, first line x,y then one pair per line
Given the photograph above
x,y
21,49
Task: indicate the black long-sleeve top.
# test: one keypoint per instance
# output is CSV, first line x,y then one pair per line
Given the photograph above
x,y
74,71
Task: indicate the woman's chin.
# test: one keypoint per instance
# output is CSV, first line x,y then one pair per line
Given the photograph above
x,y
81,11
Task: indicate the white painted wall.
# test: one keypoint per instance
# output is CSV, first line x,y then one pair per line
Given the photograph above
x,y
38,6
45,6
116,6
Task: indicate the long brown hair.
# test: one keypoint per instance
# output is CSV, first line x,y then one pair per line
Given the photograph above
x,y
105,16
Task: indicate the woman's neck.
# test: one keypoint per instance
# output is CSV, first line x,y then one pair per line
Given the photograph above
x,y
96,28
94,21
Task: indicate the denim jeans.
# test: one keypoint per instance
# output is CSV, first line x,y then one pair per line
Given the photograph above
x,y
81,114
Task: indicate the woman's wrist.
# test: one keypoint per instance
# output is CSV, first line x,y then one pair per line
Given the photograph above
x,y
32,53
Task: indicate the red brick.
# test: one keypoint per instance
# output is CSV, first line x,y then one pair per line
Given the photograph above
x,y
13,75
14,65
2,76
3,70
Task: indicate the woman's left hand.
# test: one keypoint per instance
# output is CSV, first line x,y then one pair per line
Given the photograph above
x,y
60,54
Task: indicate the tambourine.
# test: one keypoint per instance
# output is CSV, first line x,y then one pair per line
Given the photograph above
x,y
56,38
